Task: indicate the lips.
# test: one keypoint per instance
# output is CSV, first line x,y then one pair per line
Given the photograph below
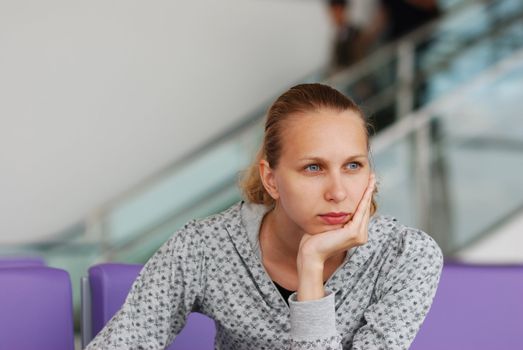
x,y
335,218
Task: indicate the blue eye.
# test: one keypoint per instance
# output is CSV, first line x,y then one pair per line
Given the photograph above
x,y
353,166
313,167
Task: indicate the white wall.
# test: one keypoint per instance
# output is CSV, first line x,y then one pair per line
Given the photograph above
x,y
96,95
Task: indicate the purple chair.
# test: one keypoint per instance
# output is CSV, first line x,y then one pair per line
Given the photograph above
x,y
21,261
36,310
476,307
108,285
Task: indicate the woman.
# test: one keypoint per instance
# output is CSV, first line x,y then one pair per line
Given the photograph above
x,y
302,263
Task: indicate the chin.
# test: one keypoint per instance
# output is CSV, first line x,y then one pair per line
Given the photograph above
x,y
325,228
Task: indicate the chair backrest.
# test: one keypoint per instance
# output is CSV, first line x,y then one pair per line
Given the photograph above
x,y
109,284
36,309
21,261
475,307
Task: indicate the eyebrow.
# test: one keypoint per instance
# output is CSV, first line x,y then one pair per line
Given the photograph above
x,y
321,160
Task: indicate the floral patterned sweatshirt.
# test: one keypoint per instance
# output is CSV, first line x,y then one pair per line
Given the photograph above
x,y
377,299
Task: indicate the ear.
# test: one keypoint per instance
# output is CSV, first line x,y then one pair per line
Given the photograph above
x,y
268,179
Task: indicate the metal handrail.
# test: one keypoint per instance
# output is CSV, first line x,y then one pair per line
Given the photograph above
x,y
94,222
423,116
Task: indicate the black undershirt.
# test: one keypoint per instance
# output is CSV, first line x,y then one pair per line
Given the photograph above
x,y
285,293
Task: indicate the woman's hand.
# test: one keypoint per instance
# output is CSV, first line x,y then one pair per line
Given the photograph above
x,y
316,249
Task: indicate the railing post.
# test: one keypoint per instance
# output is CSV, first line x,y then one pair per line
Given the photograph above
x,y
405,76
97,232
422,174
441,213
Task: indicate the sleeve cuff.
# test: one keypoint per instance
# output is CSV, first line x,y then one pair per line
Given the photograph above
x,y
312,319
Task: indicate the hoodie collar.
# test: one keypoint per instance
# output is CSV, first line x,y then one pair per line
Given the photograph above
x,y
244,231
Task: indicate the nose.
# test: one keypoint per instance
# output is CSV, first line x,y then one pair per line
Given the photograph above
x,y
335,190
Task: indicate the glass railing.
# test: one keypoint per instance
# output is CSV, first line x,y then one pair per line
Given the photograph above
x,y
434,60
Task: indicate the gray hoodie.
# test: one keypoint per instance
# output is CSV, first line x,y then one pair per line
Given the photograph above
x,y
377,299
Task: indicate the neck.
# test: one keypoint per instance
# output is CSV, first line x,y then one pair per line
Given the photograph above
x,y
278,235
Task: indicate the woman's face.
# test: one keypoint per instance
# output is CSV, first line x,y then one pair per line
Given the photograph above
x,y
323,170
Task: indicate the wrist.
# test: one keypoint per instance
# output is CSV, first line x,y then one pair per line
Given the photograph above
x,y
310,280
308,255
310,265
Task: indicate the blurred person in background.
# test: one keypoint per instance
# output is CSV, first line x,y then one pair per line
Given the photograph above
x,y
403,16
353,29
361,25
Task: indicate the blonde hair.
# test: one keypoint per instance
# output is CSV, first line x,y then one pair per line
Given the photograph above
x,y
297,100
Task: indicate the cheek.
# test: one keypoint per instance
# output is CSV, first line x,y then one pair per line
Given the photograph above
x,y
299,197
292,189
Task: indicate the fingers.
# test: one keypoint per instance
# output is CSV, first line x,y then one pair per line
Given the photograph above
x,y
362,213
363,228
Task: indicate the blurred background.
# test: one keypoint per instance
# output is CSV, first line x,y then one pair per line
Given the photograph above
x,y
122,120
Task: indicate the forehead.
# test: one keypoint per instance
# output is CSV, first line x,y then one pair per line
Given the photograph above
x,y
324,133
